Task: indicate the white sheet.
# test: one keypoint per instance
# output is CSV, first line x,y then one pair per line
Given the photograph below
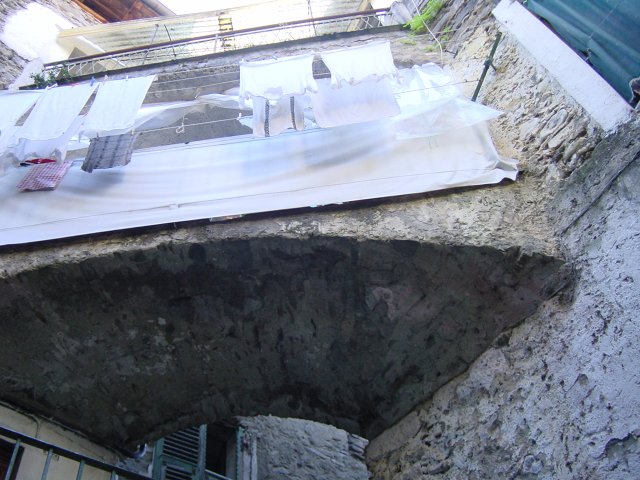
x,y
349,104
371,61
55,111
13,105
116,105
55,149
247,175
272,79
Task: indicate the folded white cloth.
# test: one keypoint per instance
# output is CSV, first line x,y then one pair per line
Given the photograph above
x,y
55,111
270,120
116,105
353,65
350,104
273,79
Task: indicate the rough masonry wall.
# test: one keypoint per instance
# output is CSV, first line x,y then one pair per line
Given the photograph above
x,y
559,395
542,126
11,64
301,450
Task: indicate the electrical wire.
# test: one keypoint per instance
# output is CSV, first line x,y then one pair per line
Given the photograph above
x,y
429,30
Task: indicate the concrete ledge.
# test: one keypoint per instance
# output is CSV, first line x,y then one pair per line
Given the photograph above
x,y
580,81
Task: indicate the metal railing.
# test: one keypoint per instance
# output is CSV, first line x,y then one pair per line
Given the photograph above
x,y
220,42
83,461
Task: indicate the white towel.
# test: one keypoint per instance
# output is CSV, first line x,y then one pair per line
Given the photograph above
x,y
273,79
353,65
270,120
116,105
55,111
350,104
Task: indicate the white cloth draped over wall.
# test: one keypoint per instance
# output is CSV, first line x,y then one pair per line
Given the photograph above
x,y
116,106
241,175
272,79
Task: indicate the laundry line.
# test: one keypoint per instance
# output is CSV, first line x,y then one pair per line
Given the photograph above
x,y
317,77
240,117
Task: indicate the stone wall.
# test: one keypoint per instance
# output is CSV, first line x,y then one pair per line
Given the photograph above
x,y
542,126
559,395
299,450
11,64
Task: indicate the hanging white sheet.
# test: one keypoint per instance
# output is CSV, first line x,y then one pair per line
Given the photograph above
x,y
55,149
15,104
116,105
431,104
428,120
364,102
371,61
246,175
55,111
424,84
12,106
270,120
273,79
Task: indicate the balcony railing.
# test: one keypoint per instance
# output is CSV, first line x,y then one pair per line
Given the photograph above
x,y
22,441
221,42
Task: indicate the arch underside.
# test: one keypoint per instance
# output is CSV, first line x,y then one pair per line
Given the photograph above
x,y
132,345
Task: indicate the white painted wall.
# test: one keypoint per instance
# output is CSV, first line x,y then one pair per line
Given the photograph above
x,y
590,90
33,459
32,33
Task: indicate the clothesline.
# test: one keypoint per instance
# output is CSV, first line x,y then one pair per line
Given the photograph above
x,y
324,75
249,116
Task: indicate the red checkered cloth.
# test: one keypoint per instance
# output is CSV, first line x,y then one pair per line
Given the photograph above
x,y
45,176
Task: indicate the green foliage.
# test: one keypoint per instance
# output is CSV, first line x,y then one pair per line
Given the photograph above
x,y
53,77
444,38
429,12
408,41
